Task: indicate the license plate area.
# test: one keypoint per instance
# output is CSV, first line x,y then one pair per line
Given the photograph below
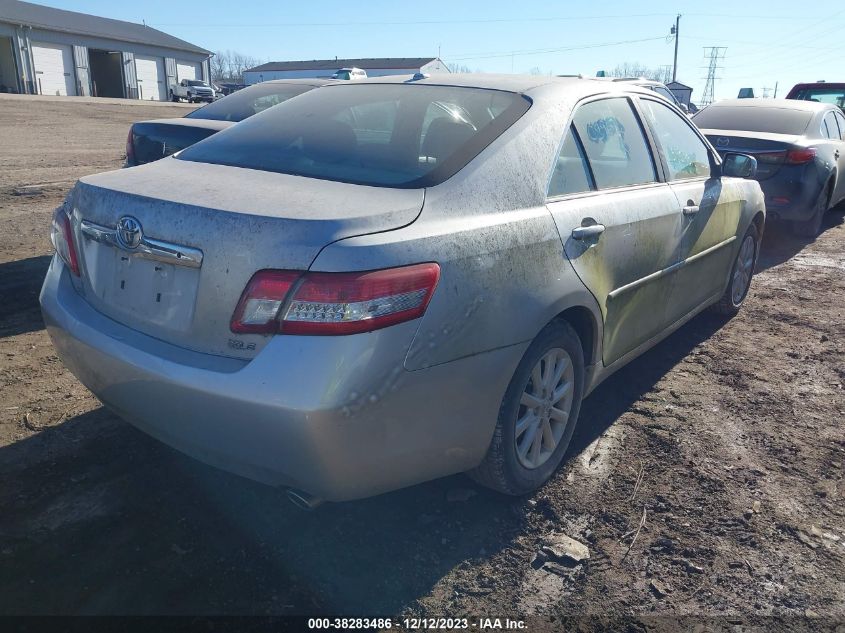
x,y
140,291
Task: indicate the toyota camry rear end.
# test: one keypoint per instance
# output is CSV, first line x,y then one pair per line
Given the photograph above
x,y
201,297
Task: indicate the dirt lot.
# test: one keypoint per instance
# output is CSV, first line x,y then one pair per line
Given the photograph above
x,y
734,431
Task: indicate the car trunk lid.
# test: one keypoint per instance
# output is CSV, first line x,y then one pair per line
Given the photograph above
x,y
206,230
769,149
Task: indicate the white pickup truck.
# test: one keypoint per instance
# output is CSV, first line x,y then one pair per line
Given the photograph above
x,y
194,90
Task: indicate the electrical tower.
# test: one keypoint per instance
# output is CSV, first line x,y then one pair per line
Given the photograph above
x,y
714,54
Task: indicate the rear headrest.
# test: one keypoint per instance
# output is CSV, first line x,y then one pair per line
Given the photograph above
x,y
444,136
330,142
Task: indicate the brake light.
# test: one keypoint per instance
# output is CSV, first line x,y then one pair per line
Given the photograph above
x,y
261,301
62,237
334,303
130,148
800,156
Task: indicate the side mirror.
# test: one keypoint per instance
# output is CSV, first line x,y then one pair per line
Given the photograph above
x,y
739,165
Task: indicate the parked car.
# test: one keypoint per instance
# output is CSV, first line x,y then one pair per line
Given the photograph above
x,y
350,74
653,85
192,90
799,150
152,140
228,88
820,91
357,290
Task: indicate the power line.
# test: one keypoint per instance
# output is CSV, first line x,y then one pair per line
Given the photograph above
x,y
570,18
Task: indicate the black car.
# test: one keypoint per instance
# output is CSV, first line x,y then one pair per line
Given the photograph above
x,y
152,140
799,149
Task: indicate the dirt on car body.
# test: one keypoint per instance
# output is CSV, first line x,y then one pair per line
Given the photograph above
x,y
705,479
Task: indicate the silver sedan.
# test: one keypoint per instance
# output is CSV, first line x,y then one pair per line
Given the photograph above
x,y
379,283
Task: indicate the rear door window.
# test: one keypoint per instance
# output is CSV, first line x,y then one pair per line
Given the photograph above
x,y
571,174
685,153
614,143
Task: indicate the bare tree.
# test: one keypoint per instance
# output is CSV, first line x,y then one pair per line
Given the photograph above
x,y
230,65
459,68
635,69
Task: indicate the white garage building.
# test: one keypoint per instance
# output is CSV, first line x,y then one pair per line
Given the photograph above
x,y
375,67
55,52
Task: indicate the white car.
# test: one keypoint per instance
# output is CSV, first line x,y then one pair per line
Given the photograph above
x,y
350,74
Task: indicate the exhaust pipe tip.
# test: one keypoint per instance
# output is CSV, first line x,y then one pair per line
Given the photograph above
x,y
303,500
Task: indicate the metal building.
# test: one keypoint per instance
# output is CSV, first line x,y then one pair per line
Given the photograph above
x,y
323,68
55,52
682,92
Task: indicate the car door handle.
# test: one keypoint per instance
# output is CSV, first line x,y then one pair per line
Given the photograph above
x,y
583,232
691,209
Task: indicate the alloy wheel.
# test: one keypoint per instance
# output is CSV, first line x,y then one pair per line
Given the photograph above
x,y
545,406
743,270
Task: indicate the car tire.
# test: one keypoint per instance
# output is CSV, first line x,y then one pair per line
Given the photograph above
x,y
507,466
812,227
742,272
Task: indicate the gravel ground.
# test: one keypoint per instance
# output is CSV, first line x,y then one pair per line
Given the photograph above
x,y
706,478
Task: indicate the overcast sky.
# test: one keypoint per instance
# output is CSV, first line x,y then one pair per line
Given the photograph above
x,y
767,42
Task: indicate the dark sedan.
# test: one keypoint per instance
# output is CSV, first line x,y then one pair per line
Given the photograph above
x,y
152,140
799,150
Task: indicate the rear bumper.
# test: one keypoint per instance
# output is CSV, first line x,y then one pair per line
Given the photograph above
x,y
337,417
791,194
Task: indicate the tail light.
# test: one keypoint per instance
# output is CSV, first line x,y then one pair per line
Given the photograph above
x,y
770,158
130,148
278,301
62,237
800,156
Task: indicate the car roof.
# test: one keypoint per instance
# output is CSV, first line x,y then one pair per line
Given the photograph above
x,y
780,104
298,82
819,84
511,83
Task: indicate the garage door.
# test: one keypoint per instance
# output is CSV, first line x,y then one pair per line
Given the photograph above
x,y
188,70
53,69
150,73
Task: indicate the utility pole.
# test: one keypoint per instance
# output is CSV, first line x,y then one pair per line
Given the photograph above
x,y
675,30
776,91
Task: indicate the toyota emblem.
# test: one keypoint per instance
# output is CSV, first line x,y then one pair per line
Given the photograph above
x,y
129,232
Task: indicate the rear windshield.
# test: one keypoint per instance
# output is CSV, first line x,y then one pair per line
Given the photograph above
x,y
835,96
249,101
397,135
754,119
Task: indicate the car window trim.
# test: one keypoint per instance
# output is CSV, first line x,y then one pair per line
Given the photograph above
x,y
715,160
598,192
591,178
840,121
